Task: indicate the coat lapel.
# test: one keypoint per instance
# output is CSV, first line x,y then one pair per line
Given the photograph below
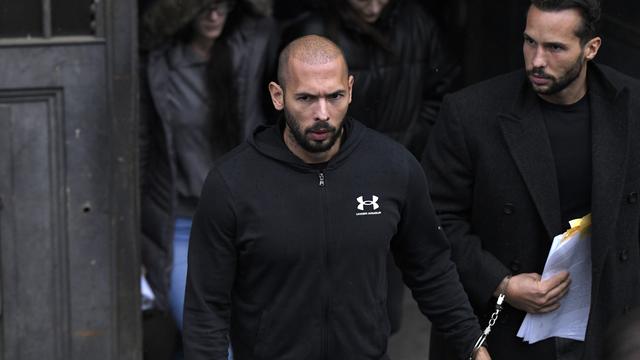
x,y
526,136
610,140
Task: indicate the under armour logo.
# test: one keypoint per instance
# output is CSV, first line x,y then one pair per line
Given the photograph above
x,y
373,202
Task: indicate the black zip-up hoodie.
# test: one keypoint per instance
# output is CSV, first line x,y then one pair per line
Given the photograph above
x,y
290,261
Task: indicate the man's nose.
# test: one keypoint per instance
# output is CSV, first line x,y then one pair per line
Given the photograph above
x,y
539,59
322,110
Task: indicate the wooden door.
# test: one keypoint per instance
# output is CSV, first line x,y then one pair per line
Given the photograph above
x,y
69,267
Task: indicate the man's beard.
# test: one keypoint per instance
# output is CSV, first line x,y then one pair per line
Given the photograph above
x,y
558,84
311,145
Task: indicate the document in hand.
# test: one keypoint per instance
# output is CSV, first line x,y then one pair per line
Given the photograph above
x,y
570,251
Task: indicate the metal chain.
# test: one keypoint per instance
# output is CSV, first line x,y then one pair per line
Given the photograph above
x,y
494,316
487,330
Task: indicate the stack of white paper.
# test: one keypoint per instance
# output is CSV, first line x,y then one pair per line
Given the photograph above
x,y
572,253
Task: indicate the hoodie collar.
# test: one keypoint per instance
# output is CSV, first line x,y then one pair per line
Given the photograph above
x,y
268,140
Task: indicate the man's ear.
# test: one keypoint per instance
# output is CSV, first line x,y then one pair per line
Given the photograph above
x,y
351,81
277,95
592,47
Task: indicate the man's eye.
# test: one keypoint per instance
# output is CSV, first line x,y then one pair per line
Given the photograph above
x,y
529,41
335,96
304,98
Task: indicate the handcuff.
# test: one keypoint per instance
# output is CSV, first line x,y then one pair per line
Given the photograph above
x,y
492,321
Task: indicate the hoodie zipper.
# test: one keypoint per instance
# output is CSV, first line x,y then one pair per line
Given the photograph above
x,y
325,300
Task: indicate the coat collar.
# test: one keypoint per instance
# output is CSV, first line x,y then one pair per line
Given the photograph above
x,y
528,141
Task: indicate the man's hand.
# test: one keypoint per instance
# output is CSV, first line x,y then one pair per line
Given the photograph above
x,y
482,354
529,293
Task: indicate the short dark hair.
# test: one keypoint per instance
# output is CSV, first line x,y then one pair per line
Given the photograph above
x,y
311,49
589,10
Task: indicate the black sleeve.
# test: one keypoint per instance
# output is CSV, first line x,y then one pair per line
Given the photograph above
x,y
210,274
440,74
422,252
449,166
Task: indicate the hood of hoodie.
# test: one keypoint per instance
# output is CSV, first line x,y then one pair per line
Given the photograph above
x,y
164,18
268,140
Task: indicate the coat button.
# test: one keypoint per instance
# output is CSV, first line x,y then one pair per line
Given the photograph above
x,y
508,208
624,255
632,198
515,266
626,309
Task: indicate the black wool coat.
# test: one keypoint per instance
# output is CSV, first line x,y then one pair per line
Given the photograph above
x,y
494,186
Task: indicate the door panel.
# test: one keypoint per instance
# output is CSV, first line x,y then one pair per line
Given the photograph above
x,y
32,263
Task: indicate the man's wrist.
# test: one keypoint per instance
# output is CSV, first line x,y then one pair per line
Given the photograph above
x,y
502,287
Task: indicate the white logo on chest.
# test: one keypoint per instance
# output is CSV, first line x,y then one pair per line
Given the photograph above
x,y
368,207
362,203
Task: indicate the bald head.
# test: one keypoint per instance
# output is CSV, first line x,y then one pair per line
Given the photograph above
x,y
311,50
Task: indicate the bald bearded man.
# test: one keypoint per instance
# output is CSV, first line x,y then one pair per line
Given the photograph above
x,y
288,249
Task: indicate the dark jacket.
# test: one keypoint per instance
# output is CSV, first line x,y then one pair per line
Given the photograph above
x,y
398,90
291,261
252,44
494,186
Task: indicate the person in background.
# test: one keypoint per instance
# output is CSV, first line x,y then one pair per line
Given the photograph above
x,y
399,61
512,160
396,54
201,91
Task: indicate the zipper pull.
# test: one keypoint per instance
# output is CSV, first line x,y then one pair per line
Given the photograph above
x,y
320,179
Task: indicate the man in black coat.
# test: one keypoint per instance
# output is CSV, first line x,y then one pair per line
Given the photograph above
x,y
513,159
